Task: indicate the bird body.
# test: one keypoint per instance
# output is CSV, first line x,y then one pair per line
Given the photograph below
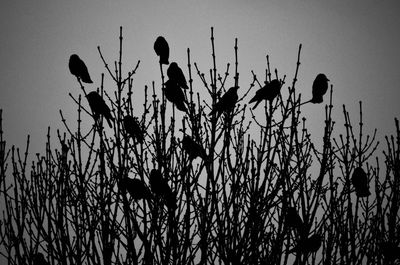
x,y
192,148
99,107
175,95
359,180
38,259
175,73
268,92
159,186
78,68
390,250
308,245
293,219
227,102
132,128
136,188
319,88
162,49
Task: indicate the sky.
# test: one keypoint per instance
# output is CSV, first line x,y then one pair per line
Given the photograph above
x,y
355,43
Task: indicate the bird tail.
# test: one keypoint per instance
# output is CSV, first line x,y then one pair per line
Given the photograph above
x,y
164,60
87,80
255,106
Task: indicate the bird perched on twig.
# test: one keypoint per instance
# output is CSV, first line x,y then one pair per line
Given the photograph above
x,y
135,187
174,73
293,219
268,92
319,88
193,148
132,128
78,68
99,107
159,186
227,102
360,182
38,259
175,95
162,49
308,245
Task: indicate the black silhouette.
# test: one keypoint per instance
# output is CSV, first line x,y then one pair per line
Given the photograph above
x,y
227,102
390,251
192,148
99,107
293,219
78,68
162,49
38,259
132,128
308,245
268,92
175,94
159,186
360,182
136,188
175,74
319,88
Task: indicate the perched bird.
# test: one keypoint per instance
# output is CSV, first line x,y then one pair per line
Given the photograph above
x,y
192,148
227,102
175,94
360,182
162,49
99,107
159,186
293,219
389,250
268,92
319,88
38,259
175,74
132,128
308,245
136,188
78,68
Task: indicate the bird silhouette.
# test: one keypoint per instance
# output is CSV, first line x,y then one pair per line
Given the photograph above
x,y
360,182
175,95
159,186
132,128
319,88
175,74
192,148
268,92
162,49
99,107
293,219
227,102
308,245
389,250
135,187
78,68
38,259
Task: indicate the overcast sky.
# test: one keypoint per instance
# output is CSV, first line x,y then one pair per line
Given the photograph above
x,y
355,43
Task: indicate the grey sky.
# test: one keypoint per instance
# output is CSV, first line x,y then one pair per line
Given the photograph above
x,y
356,43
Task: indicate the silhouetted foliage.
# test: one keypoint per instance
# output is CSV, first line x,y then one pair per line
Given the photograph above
x,y
165,187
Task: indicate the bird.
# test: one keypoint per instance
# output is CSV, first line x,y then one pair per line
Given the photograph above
x,y
389,250
78,68
293,220
308,245
359,180
174,73
319,88
132,128
99,107
162,49
175,94
268,92
159,186
38,259
227,102
193,148
135,187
